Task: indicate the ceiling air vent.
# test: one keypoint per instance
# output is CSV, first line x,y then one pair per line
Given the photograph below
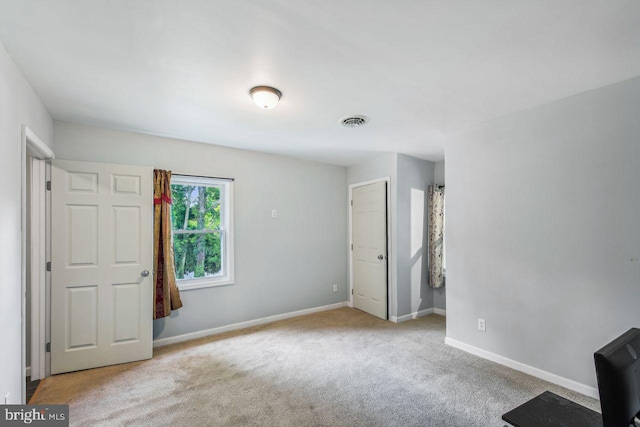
x,y
354,121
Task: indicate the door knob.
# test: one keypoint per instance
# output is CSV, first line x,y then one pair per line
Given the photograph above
x,y
145,273
380,257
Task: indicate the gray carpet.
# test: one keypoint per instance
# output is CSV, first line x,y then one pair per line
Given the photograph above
x,y
335,368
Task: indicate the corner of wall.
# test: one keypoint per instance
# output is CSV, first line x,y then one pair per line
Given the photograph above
x,y
19,105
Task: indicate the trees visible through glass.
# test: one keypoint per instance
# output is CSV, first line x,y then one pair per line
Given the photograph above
x,y
197,233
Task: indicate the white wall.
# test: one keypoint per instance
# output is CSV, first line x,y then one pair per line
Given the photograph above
x,y
439,294
414,178
281,265
543,230
438,173
18,105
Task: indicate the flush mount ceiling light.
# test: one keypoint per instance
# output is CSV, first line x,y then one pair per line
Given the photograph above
x,y
265,96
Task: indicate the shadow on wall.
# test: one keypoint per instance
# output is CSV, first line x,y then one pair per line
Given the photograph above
x,y
159,324
419,255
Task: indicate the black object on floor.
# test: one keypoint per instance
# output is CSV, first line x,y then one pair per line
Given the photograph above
x,y
31,388
618,372
549,409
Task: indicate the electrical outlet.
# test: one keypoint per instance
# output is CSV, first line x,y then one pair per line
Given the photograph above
x,y
335,288
482,325
274,214
6,398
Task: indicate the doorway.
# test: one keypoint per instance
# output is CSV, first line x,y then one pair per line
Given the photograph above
x,y
35,229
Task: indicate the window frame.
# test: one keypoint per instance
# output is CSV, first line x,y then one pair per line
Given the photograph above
x,y
226,232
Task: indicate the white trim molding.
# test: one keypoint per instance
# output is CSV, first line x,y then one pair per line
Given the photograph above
x,y
35,146
37,268
411,316
249,323
518,366
439,311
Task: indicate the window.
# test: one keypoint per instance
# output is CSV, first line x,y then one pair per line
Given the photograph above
x,y
202,224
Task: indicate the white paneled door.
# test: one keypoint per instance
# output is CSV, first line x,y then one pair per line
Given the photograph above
x,y
369,238
101,291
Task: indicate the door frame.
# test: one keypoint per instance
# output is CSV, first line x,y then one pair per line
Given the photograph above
x,y
36,221
389,235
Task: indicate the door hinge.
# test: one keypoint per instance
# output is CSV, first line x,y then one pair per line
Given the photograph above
x,y
48,265
352,203
49,185
47,347
351,291
352,246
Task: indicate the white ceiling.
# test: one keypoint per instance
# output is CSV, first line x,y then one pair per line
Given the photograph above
x,y
417,69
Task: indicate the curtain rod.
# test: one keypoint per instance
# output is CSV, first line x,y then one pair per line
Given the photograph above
x,y
203,176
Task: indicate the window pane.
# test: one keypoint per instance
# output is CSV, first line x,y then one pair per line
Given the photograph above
x,y
197,255
195,207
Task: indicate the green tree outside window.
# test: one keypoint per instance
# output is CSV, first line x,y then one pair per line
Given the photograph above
x,y
197,234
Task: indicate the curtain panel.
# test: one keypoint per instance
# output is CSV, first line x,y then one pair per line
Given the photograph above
x,y
166,295
436,233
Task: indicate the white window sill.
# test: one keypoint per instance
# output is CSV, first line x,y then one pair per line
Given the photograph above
x,y
204,282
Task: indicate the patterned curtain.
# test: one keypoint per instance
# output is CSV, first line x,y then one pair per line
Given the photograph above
x,y
165,293
436,232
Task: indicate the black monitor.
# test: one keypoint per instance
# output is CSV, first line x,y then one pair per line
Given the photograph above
x,y
618,371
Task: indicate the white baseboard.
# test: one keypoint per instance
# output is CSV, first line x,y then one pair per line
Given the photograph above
x,y
213,331
518,366
440,311
28,371
410,316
